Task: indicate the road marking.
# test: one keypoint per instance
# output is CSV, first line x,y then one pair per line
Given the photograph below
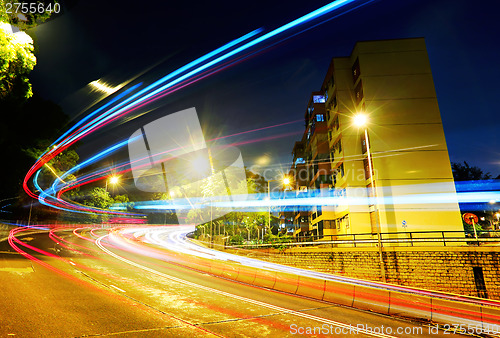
x,y
248,300
117,288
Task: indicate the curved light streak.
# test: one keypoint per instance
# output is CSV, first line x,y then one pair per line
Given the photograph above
x,y
210,60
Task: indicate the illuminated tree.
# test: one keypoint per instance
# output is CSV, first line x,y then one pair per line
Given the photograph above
x,y
16,62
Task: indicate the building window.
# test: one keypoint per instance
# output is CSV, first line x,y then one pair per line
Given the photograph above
x,y
310,109
337,146
363,144
320,118
358,92
329,224
318,99
339,193
370,191
340,170
342,222
330,82
320,229
325,179
300,160
355,71
336,124
367,168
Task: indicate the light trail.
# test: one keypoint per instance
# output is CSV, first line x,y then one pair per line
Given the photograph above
x,y
203,63
173,239
233,296
326,197
58,189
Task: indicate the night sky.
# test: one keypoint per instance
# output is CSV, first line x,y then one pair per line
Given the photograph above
x,y
117,40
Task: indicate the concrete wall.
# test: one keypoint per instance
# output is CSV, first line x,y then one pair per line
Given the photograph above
x,y
433,268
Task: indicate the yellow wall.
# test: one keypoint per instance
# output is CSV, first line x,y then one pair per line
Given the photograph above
x,y
408,145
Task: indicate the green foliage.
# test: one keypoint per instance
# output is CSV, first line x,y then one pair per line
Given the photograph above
x,y
468,228
121,199
56,167
236,239
16,62
97,197
278,241
464,172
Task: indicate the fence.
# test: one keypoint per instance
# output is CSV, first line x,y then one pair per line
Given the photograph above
x,y
388,239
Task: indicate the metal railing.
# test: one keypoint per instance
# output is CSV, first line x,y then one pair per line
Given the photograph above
x,y
388,239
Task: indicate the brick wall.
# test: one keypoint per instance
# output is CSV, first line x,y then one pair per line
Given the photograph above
x,y
434,268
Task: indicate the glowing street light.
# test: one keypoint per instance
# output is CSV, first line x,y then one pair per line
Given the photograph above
x,y
285,181
113,180
361,121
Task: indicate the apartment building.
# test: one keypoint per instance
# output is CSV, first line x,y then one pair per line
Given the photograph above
x,y
388,86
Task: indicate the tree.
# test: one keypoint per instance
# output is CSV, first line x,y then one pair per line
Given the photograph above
x,y
97,197
121,199
240,226
464,172
16,62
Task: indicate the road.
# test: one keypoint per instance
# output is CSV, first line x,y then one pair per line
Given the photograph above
x,y
80,283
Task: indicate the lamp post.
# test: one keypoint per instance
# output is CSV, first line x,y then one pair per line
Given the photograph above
x,y
361,121
285,181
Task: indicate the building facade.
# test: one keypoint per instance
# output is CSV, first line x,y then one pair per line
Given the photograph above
x,y
411,187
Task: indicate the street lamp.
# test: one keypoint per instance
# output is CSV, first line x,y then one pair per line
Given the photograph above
x,y
361,121
285,181
113,180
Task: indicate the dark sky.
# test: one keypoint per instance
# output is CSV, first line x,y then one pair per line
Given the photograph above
x,y
117,40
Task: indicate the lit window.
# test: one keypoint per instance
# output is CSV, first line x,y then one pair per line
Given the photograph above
x,y
300,160
319,99
320,118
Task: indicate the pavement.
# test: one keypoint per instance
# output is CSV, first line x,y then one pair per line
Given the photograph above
x,y
71,288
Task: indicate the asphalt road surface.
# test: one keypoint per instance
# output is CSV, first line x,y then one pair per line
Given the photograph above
x,y
77,283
